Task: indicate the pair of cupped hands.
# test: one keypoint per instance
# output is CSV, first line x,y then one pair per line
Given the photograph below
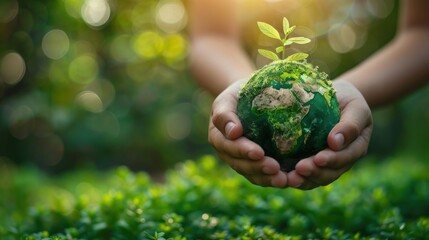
x,y
347,142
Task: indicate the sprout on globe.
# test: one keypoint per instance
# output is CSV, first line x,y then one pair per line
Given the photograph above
x,y
288,107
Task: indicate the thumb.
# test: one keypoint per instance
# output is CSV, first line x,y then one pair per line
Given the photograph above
x,y
355,117
224,113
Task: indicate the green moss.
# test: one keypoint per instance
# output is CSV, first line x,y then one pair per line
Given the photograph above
x,y
288,108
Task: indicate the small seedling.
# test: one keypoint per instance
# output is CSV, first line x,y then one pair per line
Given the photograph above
x,y
288,107
271,32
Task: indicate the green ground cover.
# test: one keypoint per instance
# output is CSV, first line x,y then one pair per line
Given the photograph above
x,y
206,200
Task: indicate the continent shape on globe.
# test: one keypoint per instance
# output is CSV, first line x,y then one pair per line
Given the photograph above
x,y
288,108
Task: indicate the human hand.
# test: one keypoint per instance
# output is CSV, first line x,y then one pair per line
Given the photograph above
x,y
244,156
348,141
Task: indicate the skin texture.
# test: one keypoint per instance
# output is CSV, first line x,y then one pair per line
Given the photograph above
x,y
220,66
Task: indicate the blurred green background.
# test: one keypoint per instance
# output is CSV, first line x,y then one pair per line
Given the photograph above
x,y
102,83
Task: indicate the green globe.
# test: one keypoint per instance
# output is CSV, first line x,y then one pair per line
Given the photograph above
x,y
288,108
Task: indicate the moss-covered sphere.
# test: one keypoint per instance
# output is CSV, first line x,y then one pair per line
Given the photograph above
x,y
288,108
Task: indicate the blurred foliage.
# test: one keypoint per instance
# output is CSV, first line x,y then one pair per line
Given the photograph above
x,y
204,200
105,82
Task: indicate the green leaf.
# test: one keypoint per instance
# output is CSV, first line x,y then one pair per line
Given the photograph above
x,y
299,40
290,30
269,30
280,49
297,57
285,25
268,54
287,42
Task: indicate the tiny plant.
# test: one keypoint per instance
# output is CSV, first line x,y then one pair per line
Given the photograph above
x,y
271,32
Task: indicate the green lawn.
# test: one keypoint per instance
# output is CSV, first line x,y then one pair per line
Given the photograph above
x,y
203,199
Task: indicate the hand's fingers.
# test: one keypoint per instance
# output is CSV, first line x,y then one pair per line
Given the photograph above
x,y
294,180
265,172
238,148
351,124
355,116
224,115
327,166
278,180
344,158
266,166
321,176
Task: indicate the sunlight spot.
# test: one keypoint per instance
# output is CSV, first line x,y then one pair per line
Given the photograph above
x,y
148,44
90,101
12,68
73,7
104,89
205,216
55,44
342,38
175,47
171,16
8,10
83,69
380,9
95,12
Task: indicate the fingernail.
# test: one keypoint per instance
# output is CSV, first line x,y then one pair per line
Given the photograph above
x,y
228,128
339,140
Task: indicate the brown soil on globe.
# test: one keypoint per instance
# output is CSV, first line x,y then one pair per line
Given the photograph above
x,y
288,108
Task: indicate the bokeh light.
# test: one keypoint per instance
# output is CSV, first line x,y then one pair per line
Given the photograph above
x,y
171,16
90,101
109,80
178,121
55,44
96,12
380,9
121,50
8,10
104,90
83,69
12,68
175,47
342,38
73,7
148,44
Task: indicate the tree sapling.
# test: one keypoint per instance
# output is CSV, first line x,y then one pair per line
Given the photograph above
x,y
288,107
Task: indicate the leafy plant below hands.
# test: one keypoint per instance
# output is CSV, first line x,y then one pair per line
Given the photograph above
x,y
271,32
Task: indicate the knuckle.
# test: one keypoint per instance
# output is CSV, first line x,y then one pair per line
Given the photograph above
x,y
216,117
353,130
